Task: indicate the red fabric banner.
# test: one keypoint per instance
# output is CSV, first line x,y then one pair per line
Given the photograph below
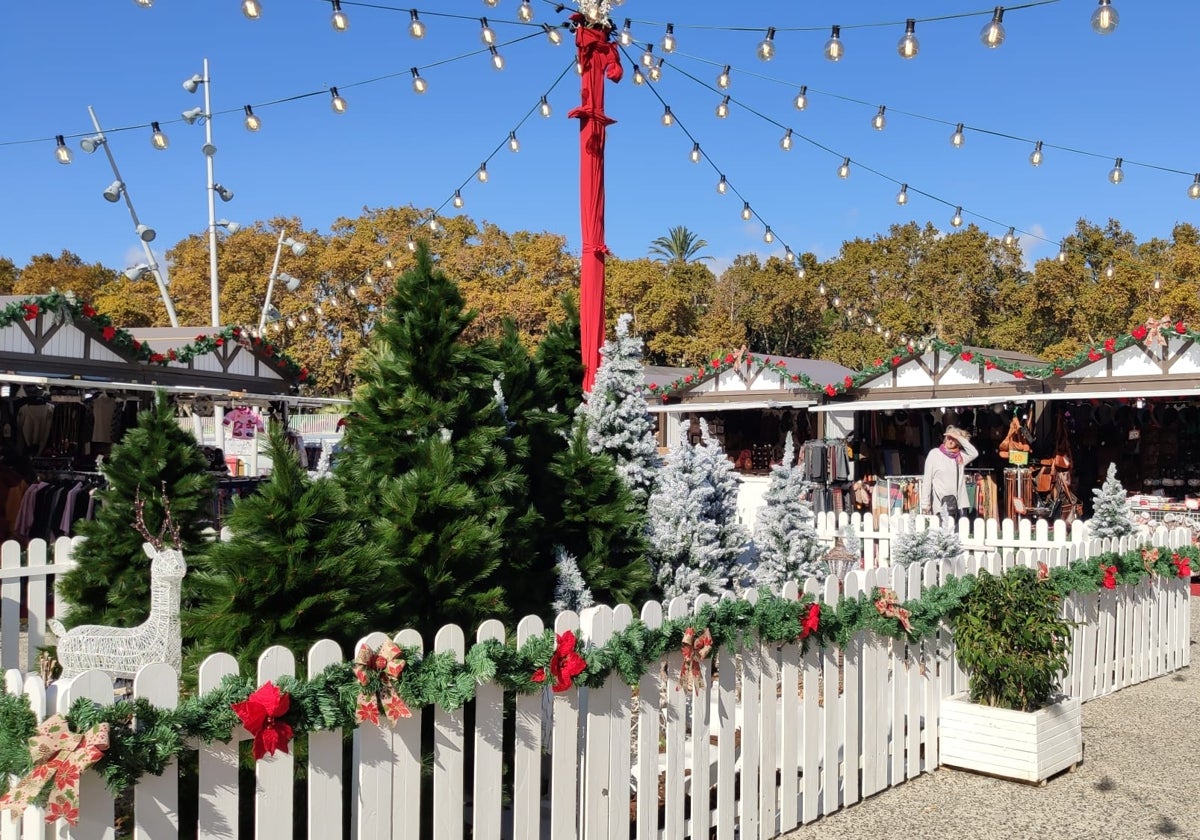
x,y
600,60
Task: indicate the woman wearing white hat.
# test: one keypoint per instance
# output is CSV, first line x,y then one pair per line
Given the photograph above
x,y
944,485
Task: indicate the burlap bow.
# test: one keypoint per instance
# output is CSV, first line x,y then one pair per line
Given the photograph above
x,y
59,757
1154,328
386,664
695,650
889,607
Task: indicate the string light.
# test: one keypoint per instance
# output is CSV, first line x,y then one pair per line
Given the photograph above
x,y
411,244
801,100
837,301
1010,237
786,142
486,33
638,78
834,49
336,101
723,185
668,119
668,41
656,71
879,121
768,236
1194,189
525,12
902,196
766,47
1062,252
482,173
909,46
723,108
747,213
433,228
957,220
416,28
1035,157
1157,281
1110,271
491,4
844,169
801,273
145,4
251,9
552,34
723,78
821,288
648,56
157,139
544,107
992,34
695,155
958,138
61,153
1116,175
626,36
1105,18
339,21
252,122
497,59
514,145
788,256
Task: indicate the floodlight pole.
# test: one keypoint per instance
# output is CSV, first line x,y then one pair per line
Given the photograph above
x,y
210,153
262,319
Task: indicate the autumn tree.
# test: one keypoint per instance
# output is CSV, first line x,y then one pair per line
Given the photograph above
x,y
67,273
8,275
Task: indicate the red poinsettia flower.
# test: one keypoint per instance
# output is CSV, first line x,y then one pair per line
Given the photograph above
x,y
666,399
989,364
729,357
201,338
62,809
715,362
88,311
260,714
1139,332
966,355
688,379
780,364
156,357
137,345
1019,374
366,710
1110,345
849,382
811,619
220,342
750,360
1059,371
830,390
108,333
171,354
653,386
282,363
877,363
31,310
67,775
1094,355
1110,576
303,374
895,361
795,377
1180,327
565,663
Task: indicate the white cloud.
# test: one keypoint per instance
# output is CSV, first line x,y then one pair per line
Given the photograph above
x,y
1033,246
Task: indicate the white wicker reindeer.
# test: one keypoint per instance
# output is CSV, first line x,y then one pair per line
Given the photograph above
x,y
122,651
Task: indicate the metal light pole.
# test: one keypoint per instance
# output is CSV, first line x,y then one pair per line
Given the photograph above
x,y
210,152
101,140
298,248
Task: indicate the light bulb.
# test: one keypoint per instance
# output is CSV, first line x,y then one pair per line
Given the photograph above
x,y
768,236
336,102
1010,237
908,47
419,85
834,49
821,288
339,21
638,78
434,226
525,12
411,244
626,36
648,56
1062,252
766,47
252,9
1035,157
723,108
656,71
786,142
879,121
389,263
956,220
514,145
668,41
870,320
747,213
61,153
723,78
544,107
497,59
1157,281
957,138
801,100
1105,18
145,4
552,34
992,34
788,256
482,174
837,301
844,169
722,186
800,272
157,139
1116,175
1110,271
849,311
416,27
252,122
1194,189
887,335
695,156
668,119
902,196
486,33
458,199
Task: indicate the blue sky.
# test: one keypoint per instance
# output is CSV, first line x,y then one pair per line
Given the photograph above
x,y
1130,94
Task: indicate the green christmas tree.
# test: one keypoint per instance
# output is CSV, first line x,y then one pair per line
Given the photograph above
x,y
110,583
428,464
1111,516
285,577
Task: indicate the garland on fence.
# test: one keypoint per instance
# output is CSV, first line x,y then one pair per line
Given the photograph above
x,y
143,738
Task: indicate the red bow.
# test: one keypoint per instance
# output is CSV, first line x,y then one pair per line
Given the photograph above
x,y
1183,565
260,713
1110,576
385,665
565,663
811,620
889,607
695,650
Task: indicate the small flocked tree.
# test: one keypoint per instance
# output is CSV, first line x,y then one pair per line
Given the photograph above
x,y
618,419
1112,516
785,533
570,592
694,532
110,583
941,543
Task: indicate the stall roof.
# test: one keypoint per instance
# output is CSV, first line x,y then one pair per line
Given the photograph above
x,y
917,402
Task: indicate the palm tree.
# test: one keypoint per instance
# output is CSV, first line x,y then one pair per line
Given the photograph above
x,y
680,245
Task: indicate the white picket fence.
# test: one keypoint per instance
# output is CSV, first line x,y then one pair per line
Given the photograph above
x,y
777,738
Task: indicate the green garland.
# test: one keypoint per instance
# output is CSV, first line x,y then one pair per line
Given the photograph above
x,y
899,355
328,701
66,307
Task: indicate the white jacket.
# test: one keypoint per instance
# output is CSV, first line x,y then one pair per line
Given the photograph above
x,y
945,476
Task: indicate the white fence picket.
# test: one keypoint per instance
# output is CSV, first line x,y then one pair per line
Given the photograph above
x,y
156,798
790,724
564,751
527,755
650,689
273,798
489,749
373,749
325,772
727,750
620,733
10,608
675,720
218,809
97,810
595,796
831,770
448,752
811,745
700,781
406,759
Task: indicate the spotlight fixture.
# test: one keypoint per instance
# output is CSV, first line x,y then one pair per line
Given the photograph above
x,y
61,152
290,283
299,249
766,47
695,155
232,227
844,169
879,121
136,272
1194,189
1010,238
908,47
192,114
193,83
723,108
497,59
339,21
801,100
723,78
544,107
1116,175
252,9
157,139
902,196
336,102
416,27
90,144
1035,157
145,233
957,138
785,142
956,220
224,193
114,191
747,213
419,85
1105,18
834,48
668,41
992,35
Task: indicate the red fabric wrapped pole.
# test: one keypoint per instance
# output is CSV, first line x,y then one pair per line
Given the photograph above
x,y
600,60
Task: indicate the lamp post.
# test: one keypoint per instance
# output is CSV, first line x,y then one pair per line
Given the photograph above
x,y
299,249
191,85
117,190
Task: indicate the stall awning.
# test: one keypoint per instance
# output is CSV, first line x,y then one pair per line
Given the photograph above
x,y
101,384
686,407
1133,392
907,404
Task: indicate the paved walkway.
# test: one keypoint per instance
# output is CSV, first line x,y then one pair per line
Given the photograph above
x,y
1140,778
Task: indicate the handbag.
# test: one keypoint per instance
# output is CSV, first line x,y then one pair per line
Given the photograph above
x,y
951,504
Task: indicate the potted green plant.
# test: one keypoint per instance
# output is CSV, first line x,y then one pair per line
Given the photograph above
x,y
1013,643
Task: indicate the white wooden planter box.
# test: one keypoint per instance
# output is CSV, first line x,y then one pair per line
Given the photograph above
x,y
1030,746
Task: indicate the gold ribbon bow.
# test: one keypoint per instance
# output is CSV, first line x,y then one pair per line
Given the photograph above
x,y
1149,558
1154,327
889,607
387,663
59,757
695,650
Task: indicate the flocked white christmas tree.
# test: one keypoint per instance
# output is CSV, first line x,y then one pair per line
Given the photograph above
x,y
571,592
1112,515
941,543
694,534
785,533
617,416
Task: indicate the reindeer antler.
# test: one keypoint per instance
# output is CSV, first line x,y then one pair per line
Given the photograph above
x,y
139,520
168,522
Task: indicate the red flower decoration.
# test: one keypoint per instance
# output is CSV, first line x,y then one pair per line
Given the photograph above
x,y
1110,345
795,377
366,710
811,620
171,354
565,663
1110,576
62,809
653,386
200,337
1183,565
268,350
1094,355
849,382
989,364
966,355
1139,332
137,345
88,311
156,357
1059,371
31,310
715,362
108,333
729,358
877,363
220,342
666,399
780,364
687,378
260,714
830,390
1180,327
1019,374
303,374
895,361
